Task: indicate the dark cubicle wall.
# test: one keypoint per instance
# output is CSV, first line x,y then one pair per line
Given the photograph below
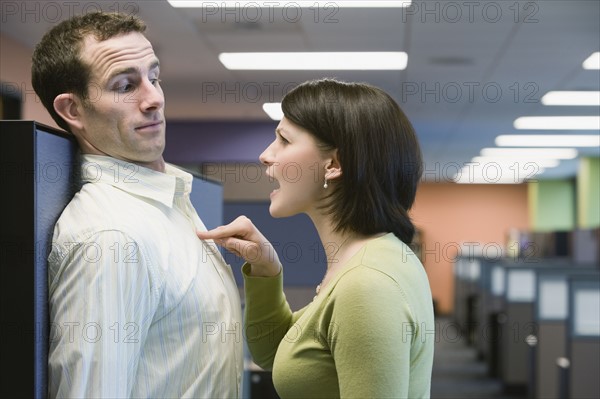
x,y
38,179
493,307
480,306
520,329
583,343
467,271
517,325
39,168
485,332
551,316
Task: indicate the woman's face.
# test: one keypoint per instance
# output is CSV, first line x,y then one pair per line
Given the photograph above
x,y
298,165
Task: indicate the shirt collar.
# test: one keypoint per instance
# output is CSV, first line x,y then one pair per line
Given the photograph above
x,y
137,180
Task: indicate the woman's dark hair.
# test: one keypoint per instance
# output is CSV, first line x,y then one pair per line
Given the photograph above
x,y
57,66
377,148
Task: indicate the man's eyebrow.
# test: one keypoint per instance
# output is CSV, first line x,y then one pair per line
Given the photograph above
x,y
124,71
132,70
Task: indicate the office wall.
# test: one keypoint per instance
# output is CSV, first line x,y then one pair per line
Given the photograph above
x,y
451,214
15,75
552,205
588,193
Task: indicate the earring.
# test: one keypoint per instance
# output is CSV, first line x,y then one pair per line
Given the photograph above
x,y
325,185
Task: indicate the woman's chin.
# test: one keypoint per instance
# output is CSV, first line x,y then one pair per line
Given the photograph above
x,y
277,212
274,212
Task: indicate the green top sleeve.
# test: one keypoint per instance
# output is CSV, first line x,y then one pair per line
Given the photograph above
x,y
267,316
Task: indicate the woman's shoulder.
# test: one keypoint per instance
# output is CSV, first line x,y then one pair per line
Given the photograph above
x,y
390,256
384,264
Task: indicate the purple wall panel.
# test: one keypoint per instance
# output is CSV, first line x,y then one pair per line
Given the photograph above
x,y
216,141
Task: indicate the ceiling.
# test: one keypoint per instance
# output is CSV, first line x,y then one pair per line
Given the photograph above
x,y
473,66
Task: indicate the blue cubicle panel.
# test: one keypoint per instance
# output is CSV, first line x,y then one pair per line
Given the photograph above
x,y
57,170
37,163
207,198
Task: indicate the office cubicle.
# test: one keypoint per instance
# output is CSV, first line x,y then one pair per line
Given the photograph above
x,y
485,331
517,325
583,341
38,181
551,318
466,276
39,177
478,302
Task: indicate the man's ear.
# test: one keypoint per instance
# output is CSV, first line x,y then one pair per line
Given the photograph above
x,y
333,169
68,106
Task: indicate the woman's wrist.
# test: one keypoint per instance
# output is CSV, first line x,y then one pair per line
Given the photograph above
x,y
271,270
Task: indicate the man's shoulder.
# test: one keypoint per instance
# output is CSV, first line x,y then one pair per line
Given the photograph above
x,y
94,199
98,207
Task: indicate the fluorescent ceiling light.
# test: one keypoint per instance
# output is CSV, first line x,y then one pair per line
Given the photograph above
x,y
273,110
530,153
548,140
571,98
392,60
593,61
297,3
558,122
517,162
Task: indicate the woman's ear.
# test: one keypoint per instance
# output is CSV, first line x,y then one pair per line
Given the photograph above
x,y
67,105
333,169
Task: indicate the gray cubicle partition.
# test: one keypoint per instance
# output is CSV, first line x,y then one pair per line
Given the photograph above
x,y
583,344
492,308
484,334
551,315
520,325
39,177
473,301
466,277
517,325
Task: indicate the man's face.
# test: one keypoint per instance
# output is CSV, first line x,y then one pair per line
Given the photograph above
x,y
123,116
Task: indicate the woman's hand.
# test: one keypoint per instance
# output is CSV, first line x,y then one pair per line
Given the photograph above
x,y
242,238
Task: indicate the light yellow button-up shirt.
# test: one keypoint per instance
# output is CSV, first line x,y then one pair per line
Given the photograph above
x,y
139,306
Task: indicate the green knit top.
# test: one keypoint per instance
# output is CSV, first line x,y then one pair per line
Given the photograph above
x,y
369,334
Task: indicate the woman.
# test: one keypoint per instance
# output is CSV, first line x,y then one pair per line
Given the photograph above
x,y
369,331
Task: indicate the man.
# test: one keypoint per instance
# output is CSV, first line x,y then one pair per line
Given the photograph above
x,y
139,307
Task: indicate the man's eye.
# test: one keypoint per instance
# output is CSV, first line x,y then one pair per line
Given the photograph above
x,y
125,88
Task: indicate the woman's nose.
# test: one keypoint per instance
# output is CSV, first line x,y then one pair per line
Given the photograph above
x,y
266,156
